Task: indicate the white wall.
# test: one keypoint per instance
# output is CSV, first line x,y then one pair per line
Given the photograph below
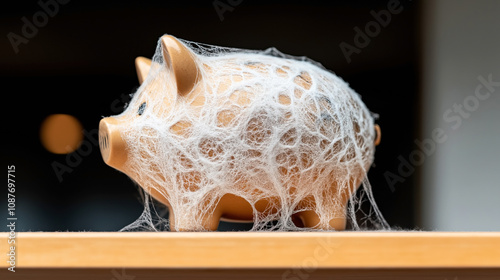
x,y
461,179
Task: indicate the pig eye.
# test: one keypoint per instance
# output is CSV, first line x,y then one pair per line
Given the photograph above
x,y
141,108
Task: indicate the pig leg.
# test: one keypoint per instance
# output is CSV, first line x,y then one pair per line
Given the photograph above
x,y
312,219
307,219
207,222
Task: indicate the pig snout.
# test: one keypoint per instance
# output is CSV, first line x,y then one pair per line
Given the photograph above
x,y
113,148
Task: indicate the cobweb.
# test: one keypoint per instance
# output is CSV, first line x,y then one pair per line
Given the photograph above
x,y
260,125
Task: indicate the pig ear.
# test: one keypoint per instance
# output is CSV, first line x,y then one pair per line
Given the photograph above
x,y
183,63
142,66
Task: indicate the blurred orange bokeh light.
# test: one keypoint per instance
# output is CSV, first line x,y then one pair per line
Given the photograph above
x,y
61,134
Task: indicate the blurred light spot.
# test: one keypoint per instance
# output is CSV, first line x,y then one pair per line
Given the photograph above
x,y
61,134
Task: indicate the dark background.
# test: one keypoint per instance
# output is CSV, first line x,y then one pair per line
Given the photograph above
x,y
82,63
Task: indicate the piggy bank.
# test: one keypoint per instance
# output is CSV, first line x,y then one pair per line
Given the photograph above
x,y
246,136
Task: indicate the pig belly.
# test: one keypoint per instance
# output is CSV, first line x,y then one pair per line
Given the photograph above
x,y
237,209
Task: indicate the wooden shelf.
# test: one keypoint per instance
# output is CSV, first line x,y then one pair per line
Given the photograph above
x,y
287,254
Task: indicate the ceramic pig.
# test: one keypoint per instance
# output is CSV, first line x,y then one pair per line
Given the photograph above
x,y
216,133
